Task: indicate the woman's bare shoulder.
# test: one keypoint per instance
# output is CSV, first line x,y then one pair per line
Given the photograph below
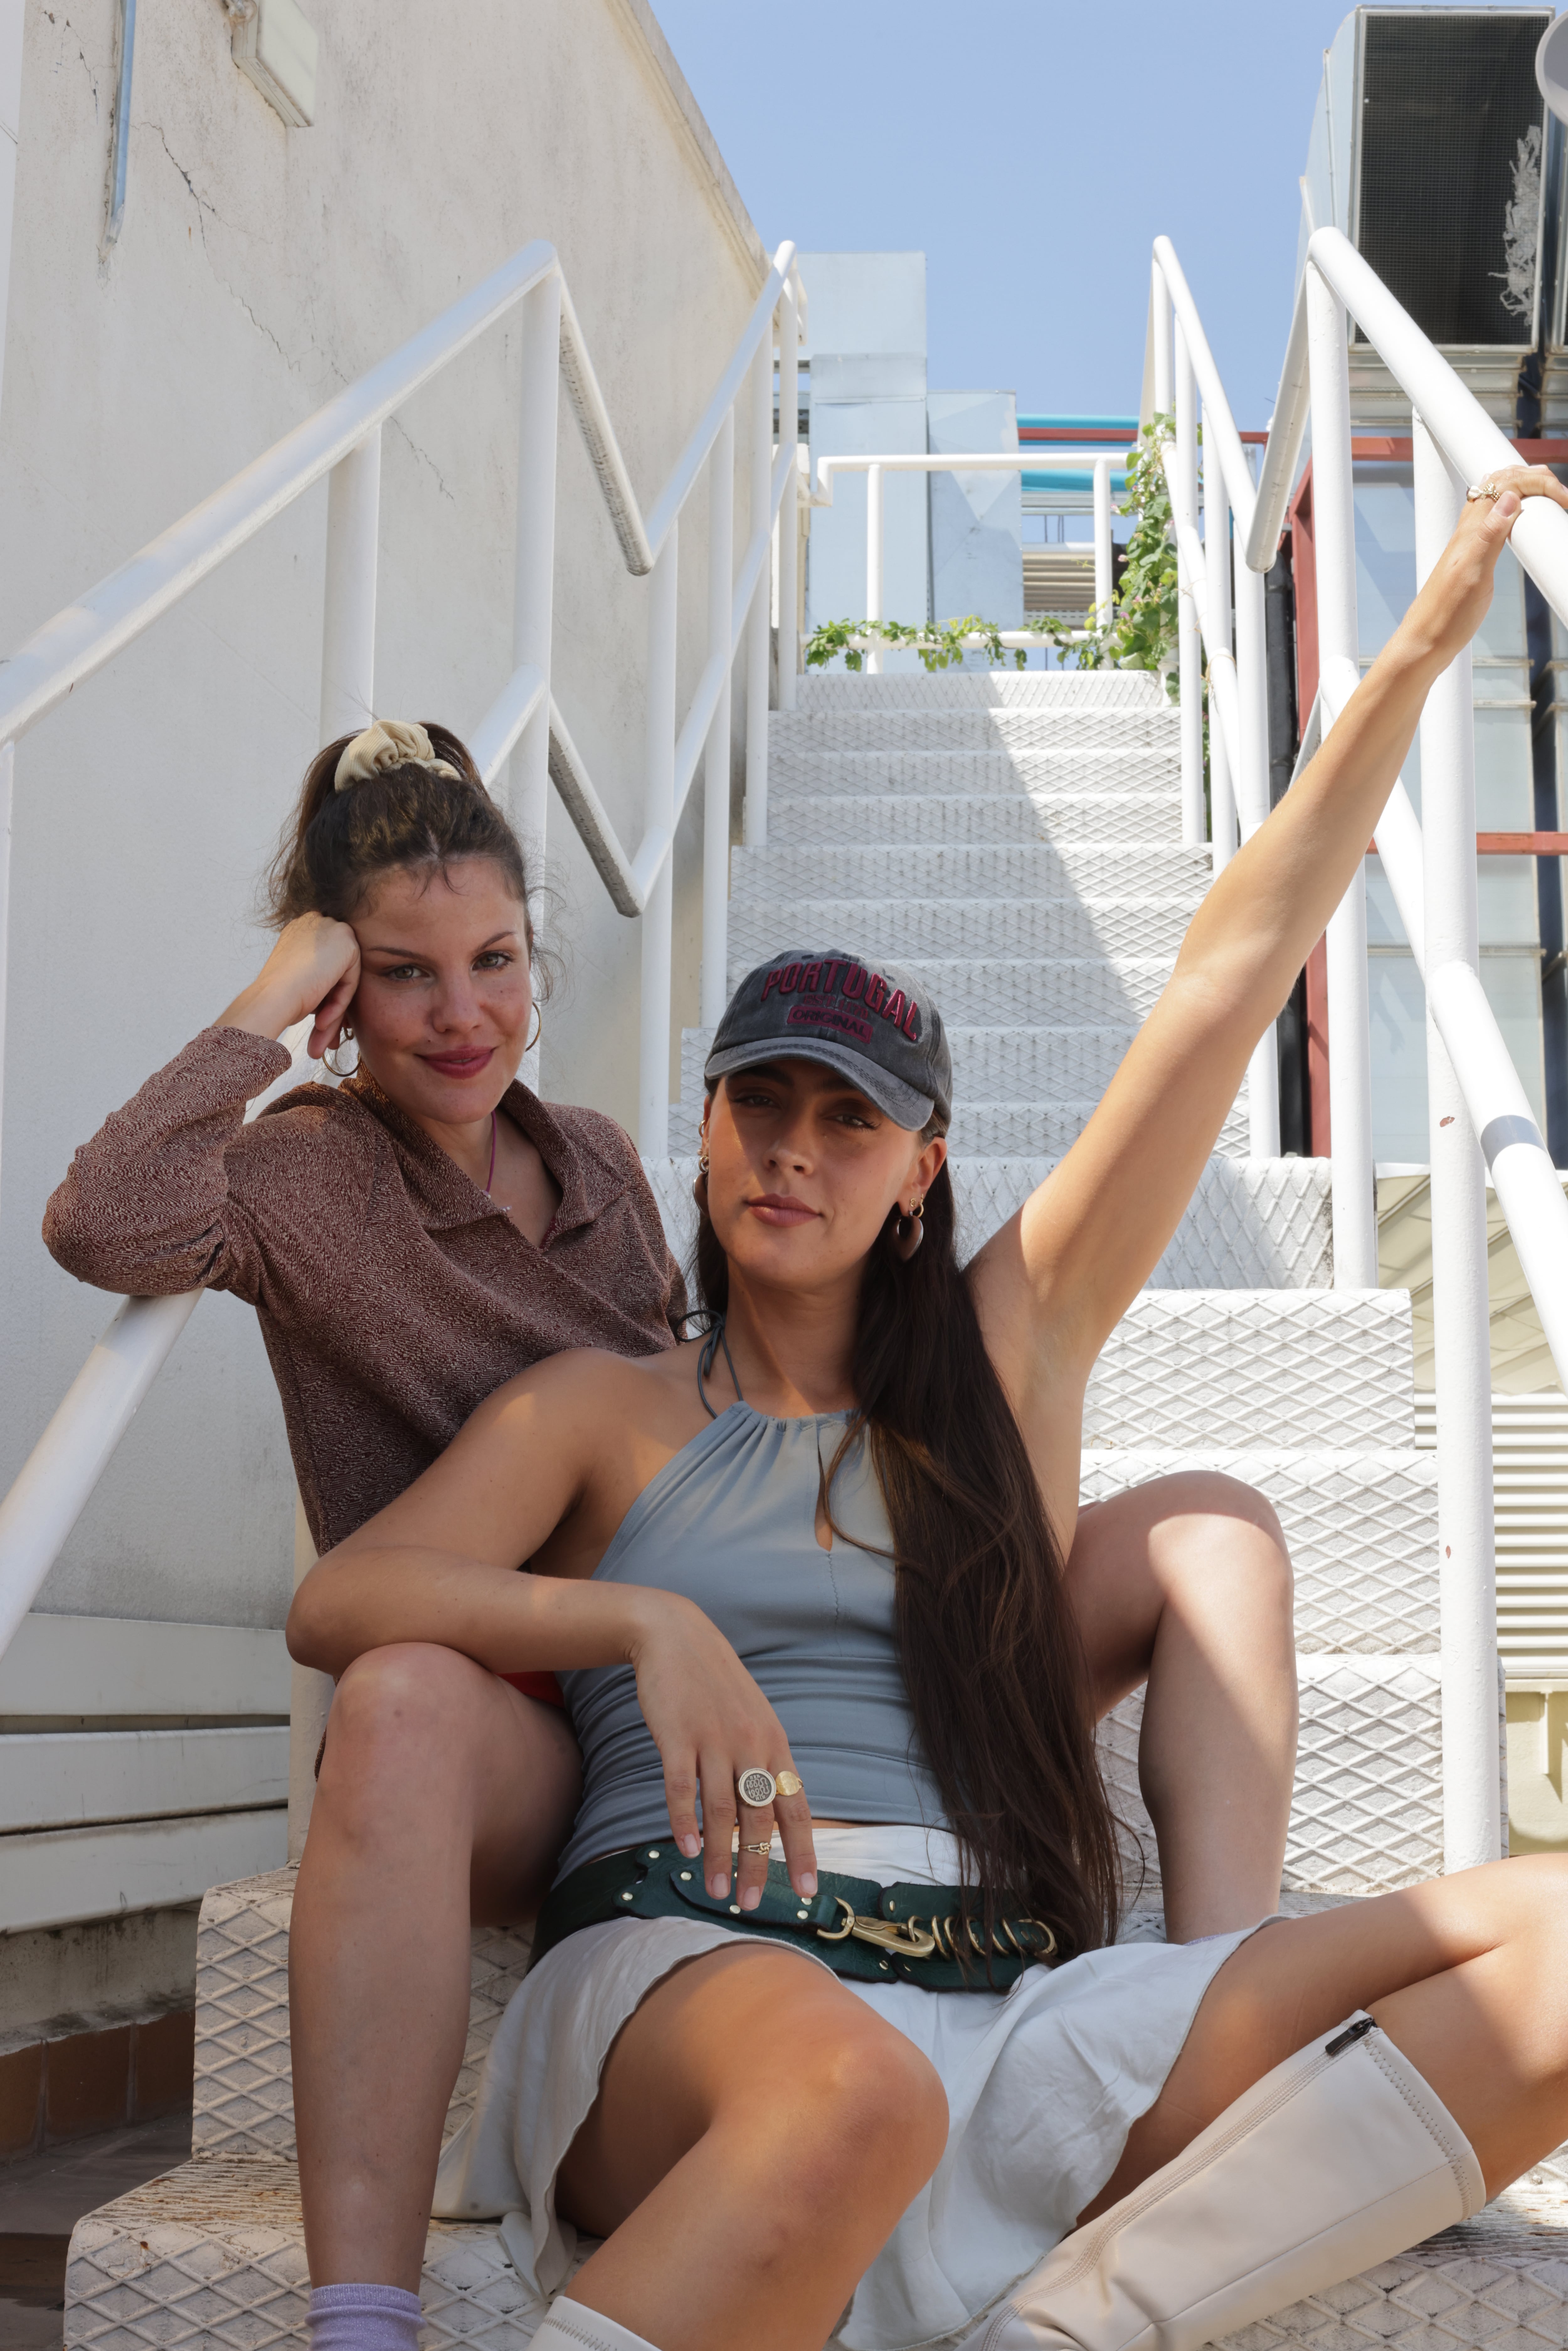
x,y
616,1391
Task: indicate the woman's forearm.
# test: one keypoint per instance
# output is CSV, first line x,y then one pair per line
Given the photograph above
x,y
503,1618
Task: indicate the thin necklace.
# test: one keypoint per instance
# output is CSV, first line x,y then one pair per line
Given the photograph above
x,y
491,1176
717,1338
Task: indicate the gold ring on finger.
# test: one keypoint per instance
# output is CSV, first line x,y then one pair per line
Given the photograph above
x,y
756,1788
789,1784
764,1846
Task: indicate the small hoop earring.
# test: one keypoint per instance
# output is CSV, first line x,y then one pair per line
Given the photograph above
x,y
907,1232
699,1181
539,1031
345,1037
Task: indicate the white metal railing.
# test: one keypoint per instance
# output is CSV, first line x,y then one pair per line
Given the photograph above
x,y
343,442
1479,1114
988,461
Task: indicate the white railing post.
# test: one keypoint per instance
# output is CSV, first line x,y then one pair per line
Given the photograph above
x,y
348,615
7,792
1252,809
874,545
534,572
1103,567
1160,325
1466,1563
659,816
755,818
1217,637
715,769
1351,1191
789,513
1189,639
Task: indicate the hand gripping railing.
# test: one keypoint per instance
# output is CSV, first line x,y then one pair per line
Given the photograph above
x,y
1477,1107
343,442
988,461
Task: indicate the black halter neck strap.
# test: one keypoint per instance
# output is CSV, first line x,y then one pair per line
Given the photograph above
x,y
711,1346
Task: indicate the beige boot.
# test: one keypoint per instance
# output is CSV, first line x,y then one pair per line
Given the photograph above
x,y
1338,2159
571,2327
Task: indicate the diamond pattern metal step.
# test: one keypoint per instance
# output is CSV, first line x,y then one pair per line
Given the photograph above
x,y
1028,727
833,691
1000,1129
1076,991
1010,870
1115,928
1128,768
1031,1065
1141,819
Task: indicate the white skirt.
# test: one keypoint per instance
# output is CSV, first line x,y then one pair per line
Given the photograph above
x,y
1043,2082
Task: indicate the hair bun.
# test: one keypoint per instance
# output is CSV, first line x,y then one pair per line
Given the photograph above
x,y
386,744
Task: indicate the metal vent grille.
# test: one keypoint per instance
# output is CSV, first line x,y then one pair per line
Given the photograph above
x,y
1448,185
1530,1456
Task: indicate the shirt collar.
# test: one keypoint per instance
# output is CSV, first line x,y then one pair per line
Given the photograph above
x,y
443,1196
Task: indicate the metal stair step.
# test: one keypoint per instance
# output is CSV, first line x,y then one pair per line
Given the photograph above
x,y
1113,925
1252,1224
1041,728
968,689
1061,992
1000,1129
212,2258
1088,817
1132,768
1015,870
1031,1065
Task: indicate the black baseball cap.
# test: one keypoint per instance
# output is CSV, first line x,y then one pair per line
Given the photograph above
x,y
873,1024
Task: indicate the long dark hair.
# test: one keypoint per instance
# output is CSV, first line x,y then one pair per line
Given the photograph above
x,y
337,844
998,1681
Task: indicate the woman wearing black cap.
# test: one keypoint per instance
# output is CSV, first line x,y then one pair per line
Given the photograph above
x,y
841,1519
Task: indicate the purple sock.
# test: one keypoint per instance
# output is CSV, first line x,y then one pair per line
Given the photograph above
x,y
363,2318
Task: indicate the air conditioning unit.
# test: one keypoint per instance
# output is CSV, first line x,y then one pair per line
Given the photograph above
x,y
1428,149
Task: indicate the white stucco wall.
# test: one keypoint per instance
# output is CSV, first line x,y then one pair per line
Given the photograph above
x,y
259,269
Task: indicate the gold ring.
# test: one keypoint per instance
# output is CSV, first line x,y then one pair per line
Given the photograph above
x,y
789,1784
765,1847
756,1787
1481,490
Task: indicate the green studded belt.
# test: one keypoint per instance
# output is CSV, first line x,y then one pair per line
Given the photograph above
x,y
870,1932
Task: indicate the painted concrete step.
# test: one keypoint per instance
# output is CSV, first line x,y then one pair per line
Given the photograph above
x,y
212,2258
1022,869
1062,992
1028,1131
968,689
1040,728
1132,768
1113,925
1252,1224
833,819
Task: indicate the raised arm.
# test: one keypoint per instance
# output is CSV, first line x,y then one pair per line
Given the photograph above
x,y
1052,1283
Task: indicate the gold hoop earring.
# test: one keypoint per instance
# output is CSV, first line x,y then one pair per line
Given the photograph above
x,y
539,1031
699,1181
906,1232
345,1037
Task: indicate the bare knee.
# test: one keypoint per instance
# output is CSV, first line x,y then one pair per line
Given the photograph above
x,y
875,2126
402,1717
1213,1532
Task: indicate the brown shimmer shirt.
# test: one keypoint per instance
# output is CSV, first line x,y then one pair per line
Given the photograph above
x,y
394,1295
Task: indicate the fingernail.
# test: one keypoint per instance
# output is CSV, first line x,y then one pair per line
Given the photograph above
x,y
719,1885
690,1847
809,1882
752,1897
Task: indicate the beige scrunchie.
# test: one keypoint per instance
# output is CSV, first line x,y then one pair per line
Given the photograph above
x,y
388,743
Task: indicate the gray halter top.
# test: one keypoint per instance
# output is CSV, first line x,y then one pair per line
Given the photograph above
x,y
730,1522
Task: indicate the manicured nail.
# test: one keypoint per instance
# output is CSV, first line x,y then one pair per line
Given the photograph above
x,y
752,1897
690,1847
719,1885
809,1882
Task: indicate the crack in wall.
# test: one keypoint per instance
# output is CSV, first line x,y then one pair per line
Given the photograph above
x,y
424,458
64,25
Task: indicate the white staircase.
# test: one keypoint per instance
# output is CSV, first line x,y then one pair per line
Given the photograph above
x,y
1014,839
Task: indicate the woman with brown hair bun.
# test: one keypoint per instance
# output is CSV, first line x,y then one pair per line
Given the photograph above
x,y
901,2086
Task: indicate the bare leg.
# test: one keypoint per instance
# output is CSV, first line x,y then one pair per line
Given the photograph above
x,y
757,2133
1187,1580
444,1796
1465,1974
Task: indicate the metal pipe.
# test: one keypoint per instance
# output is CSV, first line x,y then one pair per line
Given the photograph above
x,y
95,627
588,405
122,119
588,813
716,774
1224,755
873,559
1182,474
725,393
759,517
788,514
534,580
1467,1562
1252,810
1220,431
1282,451
1104,611
1160,323
1352,1188
349,617
658,817
7,794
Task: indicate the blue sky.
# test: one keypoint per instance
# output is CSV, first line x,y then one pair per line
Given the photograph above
x,y
1033,151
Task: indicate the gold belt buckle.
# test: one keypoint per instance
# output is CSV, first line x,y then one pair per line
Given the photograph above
x,y
908,1939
